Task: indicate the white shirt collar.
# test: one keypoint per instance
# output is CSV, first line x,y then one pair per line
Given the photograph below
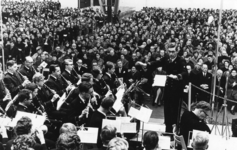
x,y
53,77
108,74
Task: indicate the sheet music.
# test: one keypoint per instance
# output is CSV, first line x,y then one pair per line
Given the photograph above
x,y
61,101
114,123
88,135
37,120
144,114
159,80
133,112
43,64
128,127
124,119
164,142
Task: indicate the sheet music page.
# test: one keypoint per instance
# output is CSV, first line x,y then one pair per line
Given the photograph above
x,y
61,101
133,112
114,123
164,142
128,127
159,80
88,135
144,114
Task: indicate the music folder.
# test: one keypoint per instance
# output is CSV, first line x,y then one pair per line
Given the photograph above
x,y
88,135
159,80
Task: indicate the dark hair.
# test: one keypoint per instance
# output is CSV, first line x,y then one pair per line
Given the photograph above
x,y
31,86
22,95
23,142
107,133
23,126
86,77
68,141
52,68
109,65
107,102
10,63
150,140
84,87
95,72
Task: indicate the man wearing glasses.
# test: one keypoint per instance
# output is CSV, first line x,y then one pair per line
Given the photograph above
x,y
174,66
195,120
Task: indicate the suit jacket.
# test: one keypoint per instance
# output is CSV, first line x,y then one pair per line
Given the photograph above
x,y
220,83
110,81
72,77
13,83
175,67
2,90
23,108
77,105
56,84
28,72
44,97
100,87
81,71
123,74
205,80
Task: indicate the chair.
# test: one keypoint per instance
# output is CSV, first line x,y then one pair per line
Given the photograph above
x,y
179,139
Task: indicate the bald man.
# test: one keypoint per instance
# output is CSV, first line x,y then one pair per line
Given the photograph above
x,y
27,69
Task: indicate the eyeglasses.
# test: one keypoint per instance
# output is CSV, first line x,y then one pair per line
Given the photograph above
x,y
70,64
206,114
172,51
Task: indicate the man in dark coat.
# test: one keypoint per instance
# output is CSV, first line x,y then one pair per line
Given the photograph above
x,y
175,69
27,69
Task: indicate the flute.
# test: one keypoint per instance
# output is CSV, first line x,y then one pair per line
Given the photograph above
x,y
50,89
79,76
24,77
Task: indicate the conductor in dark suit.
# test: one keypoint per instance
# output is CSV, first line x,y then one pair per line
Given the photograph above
x,y
174,66
204,81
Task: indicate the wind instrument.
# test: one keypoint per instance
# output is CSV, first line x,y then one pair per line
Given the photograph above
x,y
68,82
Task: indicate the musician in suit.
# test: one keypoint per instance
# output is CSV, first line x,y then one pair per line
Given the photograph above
x,y
204,81
80,69
174,66
100,114
133,76
120,71
28,70
109,76
55,82
80,105
68,73
99,85
13,80
45,96
24,100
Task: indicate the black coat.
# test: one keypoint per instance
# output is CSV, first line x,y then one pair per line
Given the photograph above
x,y
190,122
72,77
56,84
28,72
96,121
13,83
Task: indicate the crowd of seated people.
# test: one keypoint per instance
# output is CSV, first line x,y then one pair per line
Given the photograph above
x,y
52,52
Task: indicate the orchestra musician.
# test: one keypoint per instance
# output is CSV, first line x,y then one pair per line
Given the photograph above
x,y
80,106
109,76
55,82
27,69
46,97
80,69
99,85
68,73
24,100
13,80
